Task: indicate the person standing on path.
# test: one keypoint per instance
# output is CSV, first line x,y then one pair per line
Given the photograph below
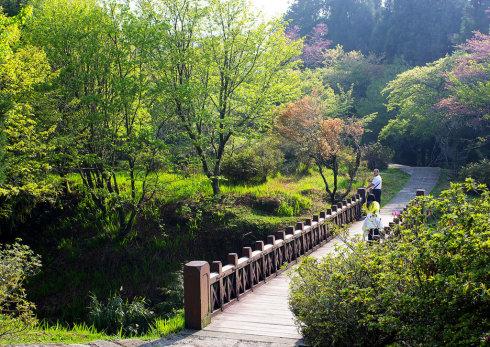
x,y
376,185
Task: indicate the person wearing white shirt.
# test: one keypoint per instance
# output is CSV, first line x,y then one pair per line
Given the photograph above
x,y
376,185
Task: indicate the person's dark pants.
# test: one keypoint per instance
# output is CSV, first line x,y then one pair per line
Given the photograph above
x,y
377,195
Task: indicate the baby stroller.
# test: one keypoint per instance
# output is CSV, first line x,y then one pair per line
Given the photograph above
x,y
372,227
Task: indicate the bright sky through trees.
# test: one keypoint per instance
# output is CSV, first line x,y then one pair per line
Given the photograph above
x,y
272,8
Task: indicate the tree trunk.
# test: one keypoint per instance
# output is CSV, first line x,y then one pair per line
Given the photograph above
x,y
325,182
215,185
335,170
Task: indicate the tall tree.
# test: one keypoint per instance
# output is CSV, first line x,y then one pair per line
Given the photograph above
x,y
468,103
25,125
420,31
12,7
442,108
106,131
366,76
332,143
475,18
305,15
225,73
419,131
350,22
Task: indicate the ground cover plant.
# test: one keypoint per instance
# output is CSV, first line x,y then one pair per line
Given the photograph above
x,y
426,285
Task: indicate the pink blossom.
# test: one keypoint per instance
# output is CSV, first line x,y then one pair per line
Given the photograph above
x,y
315,46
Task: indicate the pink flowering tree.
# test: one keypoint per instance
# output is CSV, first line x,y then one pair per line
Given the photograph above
x,y
316,45
469,89
469,81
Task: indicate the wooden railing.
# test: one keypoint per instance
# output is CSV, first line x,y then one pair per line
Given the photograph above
x,y
210,289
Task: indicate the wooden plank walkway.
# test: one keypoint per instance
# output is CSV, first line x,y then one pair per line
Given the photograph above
x,y
263,318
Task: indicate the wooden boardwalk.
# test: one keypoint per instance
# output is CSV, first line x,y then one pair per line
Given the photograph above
x,y
263,318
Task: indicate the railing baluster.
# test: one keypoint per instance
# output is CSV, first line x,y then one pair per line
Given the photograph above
x,y
308,234
336,215
300,226
247,252
217,267
233,260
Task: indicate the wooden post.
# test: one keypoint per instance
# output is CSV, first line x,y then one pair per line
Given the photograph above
x,y
318,230
336,218
300,226
349,211
308,235
233,260
259,246
196,295
341,221
247,252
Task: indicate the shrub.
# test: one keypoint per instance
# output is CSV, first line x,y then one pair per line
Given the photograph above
x,y
252,164
267,204
298,203
377,156
479,171
285,210
283,204
17,263
426,285
117,315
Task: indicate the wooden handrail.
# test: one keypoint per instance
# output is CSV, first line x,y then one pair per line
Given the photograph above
x,y
206,293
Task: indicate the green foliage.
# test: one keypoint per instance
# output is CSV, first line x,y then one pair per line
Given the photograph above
x,y
81,333
479,171
356,81
293,205
444,182
253,163
426,285
106,96
17,263
116,315
218,83
25,121
377,156
418,125
442,108
166,326
57,333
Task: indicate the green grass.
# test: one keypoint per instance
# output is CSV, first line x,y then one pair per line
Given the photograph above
x,y
82,333
393,181
443,182
57,333
164,327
